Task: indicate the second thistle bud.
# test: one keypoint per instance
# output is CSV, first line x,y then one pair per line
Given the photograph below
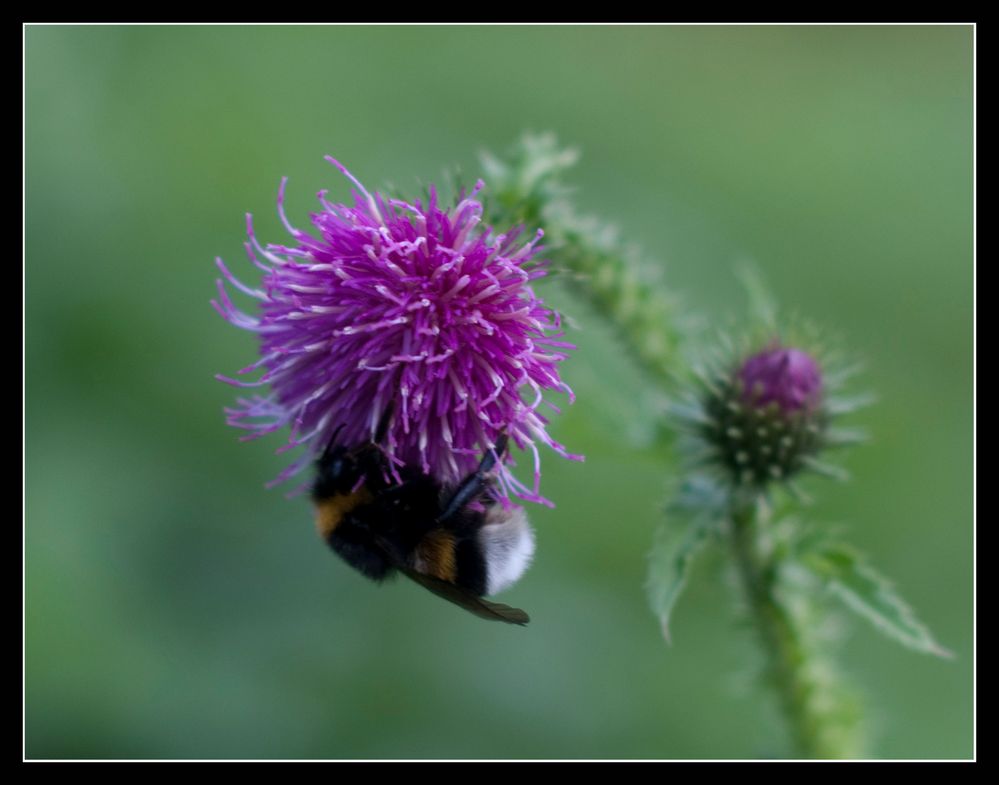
x,y
765,416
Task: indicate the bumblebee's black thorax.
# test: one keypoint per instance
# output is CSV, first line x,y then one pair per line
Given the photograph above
x,y
378,526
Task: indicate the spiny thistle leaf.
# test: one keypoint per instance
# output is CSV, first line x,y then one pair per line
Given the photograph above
x,y
673,552
866,592
677,543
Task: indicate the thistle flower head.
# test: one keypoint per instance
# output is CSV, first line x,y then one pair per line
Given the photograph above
x,y
762,415
407,310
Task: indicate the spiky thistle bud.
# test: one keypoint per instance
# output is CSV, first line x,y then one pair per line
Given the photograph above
x,y
763,415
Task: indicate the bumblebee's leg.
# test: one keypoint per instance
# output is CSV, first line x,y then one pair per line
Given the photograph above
x,y
474,483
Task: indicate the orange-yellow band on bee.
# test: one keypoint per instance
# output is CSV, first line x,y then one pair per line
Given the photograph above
x,y
329,512
436,555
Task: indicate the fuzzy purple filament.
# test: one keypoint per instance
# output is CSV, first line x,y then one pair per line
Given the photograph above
x,y
788,377
401,305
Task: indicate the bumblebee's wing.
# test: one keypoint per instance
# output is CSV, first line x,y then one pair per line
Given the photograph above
x,y
484,609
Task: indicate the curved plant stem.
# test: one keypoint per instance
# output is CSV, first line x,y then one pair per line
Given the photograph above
x,y
819,723
618,283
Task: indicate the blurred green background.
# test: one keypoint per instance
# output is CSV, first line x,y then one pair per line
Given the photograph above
x,y
175,608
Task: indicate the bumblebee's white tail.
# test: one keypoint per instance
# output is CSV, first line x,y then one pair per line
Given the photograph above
x,y
508,544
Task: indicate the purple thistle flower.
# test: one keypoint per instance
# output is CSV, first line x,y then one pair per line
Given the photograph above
x,y
404,307
788,377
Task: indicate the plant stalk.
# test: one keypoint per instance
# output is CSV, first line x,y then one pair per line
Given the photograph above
x,y
803,681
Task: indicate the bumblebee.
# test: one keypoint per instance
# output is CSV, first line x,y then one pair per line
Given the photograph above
x,y
458,542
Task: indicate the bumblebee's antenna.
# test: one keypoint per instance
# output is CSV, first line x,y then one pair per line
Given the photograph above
x,y
383,424
332,444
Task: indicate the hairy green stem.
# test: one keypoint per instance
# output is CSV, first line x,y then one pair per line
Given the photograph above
x,y
593,259
809,698
618,286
